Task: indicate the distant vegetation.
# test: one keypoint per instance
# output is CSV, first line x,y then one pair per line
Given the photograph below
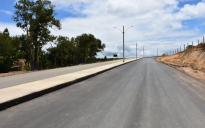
x,y
201,45
36,18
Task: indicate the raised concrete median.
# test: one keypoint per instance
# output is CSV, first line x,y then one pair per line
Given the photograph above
x,y
17,94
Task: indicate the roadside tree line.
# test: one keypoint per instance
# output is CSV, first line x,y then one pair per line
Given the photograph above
x,y
81,49
36,18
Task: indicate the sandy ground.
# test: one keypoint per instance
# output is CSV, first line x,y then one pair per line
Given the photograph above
x,y
191,62
188,70
194,73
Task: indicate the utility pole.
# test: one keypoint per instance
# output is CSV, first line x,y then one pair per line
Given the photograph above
x,y
184,47
180,49
198,42
136,51
123,32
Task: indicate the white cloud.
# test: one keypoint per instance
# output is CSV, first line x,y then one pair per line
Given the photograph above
x,y
7,12
153,21
191,12
70,1
185,0
13,30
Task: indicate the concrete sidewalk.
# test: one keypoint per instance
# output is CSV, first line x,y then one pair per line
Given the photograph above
x,y
13,80
11,96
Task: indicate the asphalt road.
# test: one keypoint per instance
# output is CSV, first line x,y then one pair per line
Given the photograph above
x,y
9,81
141,94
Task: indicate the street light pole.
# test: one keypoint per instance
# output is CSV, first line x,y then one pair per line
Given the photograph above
x,y
123,44
157,52
136,51
123,32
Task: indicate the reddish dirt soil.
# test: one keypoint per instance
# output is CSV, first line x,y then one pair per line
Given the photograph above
x,y
190,61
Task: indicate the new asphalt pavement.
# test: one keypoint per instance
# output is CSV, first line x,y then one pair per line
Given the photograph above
x,y
141,94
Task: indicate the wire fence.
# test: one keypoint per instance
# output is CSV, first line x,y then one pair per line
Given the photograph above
x,y
187,46
188,51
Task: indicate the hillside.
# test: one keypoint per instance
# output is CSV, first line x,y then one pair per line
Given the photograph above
x,y
190,61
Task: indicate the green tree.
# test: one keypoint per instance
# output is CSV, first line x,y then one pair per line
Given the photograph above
x,y
53,57
63,49
5,51
35,18
22,17
96,47
78,50
86,40
24,51
73,49
9,51
189,46
105,58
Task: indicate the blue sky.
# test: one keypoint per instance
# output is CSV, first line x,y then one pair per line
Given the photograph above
x,y
157,23
183,2
8,5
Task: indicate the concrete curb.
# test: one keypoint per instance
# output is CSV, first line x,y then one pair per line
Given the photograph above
x,y
31,96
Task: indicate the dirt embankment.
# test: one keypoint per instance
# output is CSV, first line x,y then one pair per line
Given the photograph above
x,y
190,61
